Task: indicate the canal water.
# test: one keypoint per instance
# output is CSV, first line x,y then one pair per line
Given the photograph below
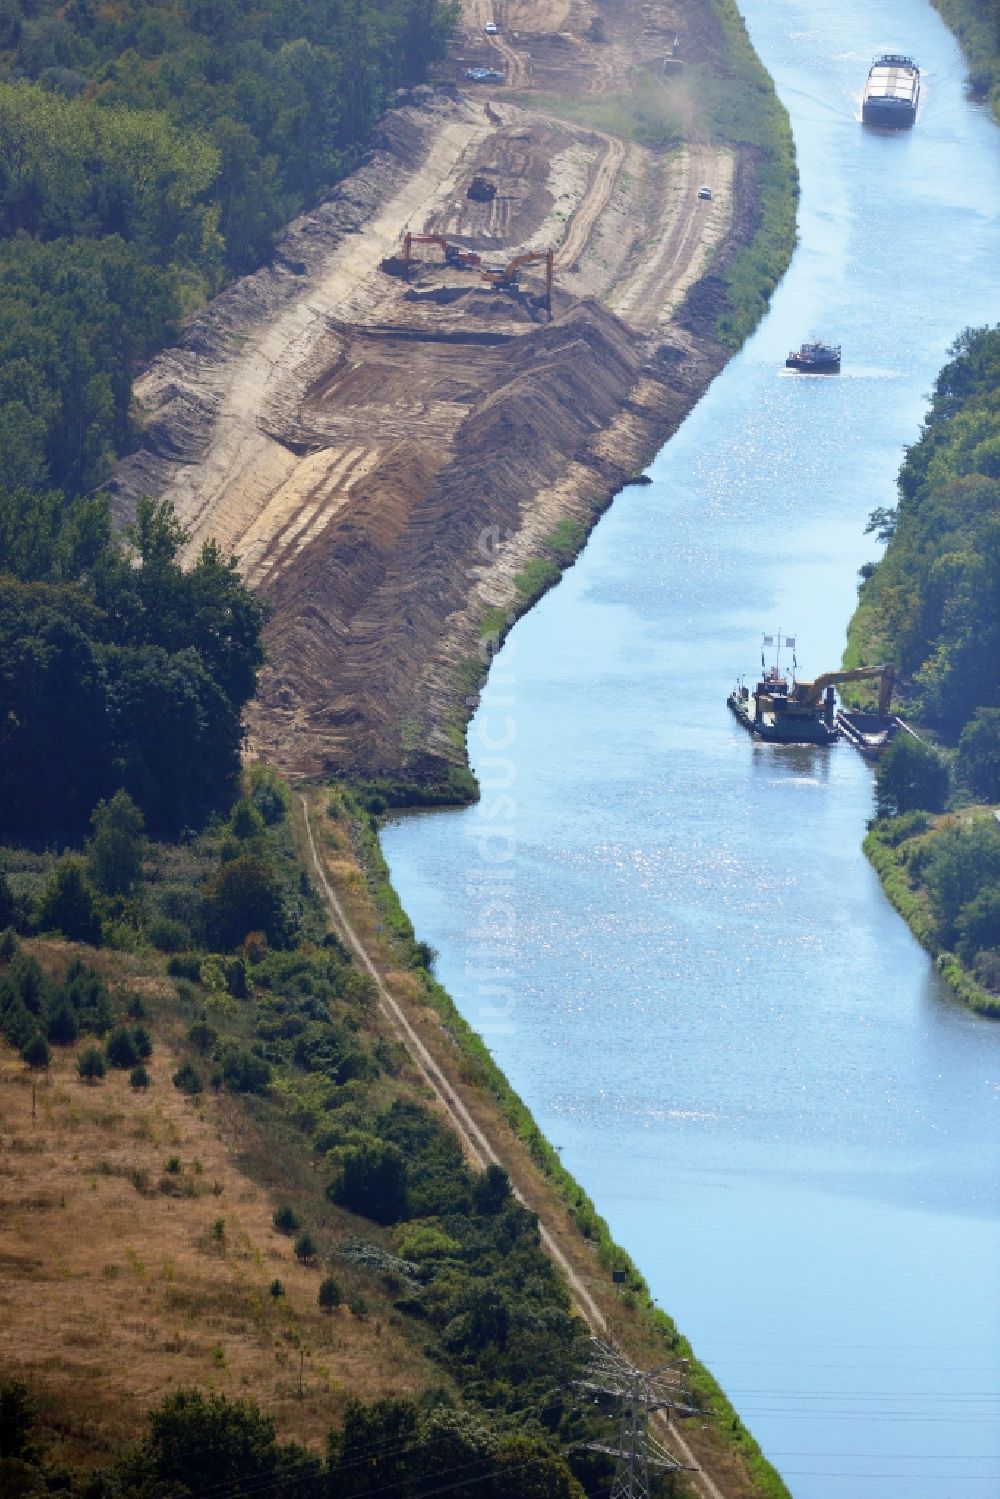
x,y
668,933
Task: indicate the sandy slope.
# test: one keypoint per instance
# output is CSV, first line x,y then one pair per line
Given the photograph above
x,y
353,436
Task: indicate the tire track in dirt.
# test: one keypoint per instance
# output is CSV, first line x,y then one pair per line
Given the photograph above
x,y
594,202
475,1142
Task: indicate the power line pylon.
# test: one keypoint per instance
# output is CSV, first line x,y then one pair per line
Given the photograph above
x,y
637,1393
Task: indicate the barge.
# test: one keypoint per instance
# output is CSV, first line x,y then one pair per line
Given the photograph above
x,y
815,358
892,92
792,712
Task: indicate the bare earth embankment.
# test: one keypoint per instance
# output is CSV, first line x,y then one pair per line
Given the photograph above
x,y
384,453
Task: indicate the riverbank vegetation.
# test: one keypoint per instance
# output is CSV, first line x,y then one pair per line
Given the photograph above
x,y
976,23
257,1158
746,110
930,607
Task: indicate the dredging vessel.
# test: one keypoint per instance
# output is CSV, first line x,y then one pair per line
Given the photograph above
x,y
892,92
786,711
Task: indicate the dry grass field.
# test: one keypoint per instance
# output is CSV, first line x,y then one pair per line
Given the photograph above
x,y
137,1256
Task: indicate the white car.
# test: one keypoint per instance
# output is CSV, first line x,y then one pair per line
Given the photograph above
x,y
491,28
705,192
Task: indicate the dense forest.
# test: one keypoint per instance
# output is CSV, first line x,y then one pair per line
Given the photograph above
x,y
149,151
932,607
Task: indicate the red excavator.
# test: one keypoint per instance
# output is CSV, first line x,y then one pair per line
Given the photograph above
x,y
457,257
508,277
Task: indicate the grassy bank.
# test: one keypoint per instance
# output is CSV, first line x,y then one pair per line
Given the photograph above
x,y
897,860
647,1332
746,110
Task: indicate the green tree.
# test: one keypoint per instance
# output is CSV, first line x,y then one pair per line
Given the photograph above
x,y
372,1181
910,777
979,754
114,855
90,1065
36,1053
69,904
305,1248
121,1049
207,1442
243,897
978,925
329,1294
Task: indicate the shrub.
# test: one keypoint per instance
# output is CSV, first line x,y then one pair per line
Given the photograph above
x,y
185,966
121,1049
372,1181
202,1036
277,1289
243,1071
143,1042
69,904
90,1064
8,944
64,1025
979,754
139,1077
114,856
284,1219
305,1248
17,1416
188,1079
910,777
329,1294
168,935
135,1009
36,1053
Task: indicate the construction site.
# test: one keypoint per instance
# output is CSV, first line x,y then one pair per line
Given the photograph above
x,y
481,334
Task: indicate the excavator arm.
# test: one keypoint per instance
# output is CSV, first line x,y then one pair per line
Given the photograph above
x,y
808,693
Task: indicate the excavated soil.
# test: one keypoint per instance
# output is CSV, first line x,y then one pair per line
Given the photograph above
x,y
384,448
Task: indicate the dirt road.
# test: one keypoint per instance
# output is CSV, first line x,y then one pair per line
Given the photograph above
x,y
352,436
479,1148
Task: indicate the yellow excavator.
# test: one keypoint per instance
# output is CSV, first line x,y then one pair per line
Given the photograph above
x,y
809,693
803,712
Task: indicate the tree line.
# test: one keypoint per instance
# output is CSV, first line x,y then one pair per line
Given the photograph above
x,y
931,606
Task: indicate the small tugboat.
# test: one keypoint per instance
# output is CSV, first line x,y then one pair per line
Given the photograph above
x,y
891,92
784,712
815,358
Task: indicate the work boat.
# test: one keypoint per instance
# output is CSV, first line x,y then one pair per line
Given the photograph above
x,y
815,358
787,711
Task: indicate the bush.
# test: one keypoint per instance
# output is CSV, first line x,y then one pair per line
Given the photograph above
x,y
64,1025
139,1078
69,904
90,1064
114,856
305,1248
202,1037
188,1079
242,1070
277,1289
285,1220
329,1294
979,754
121,1049
36,1053
910,777
168,935
372,1181
143,1042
